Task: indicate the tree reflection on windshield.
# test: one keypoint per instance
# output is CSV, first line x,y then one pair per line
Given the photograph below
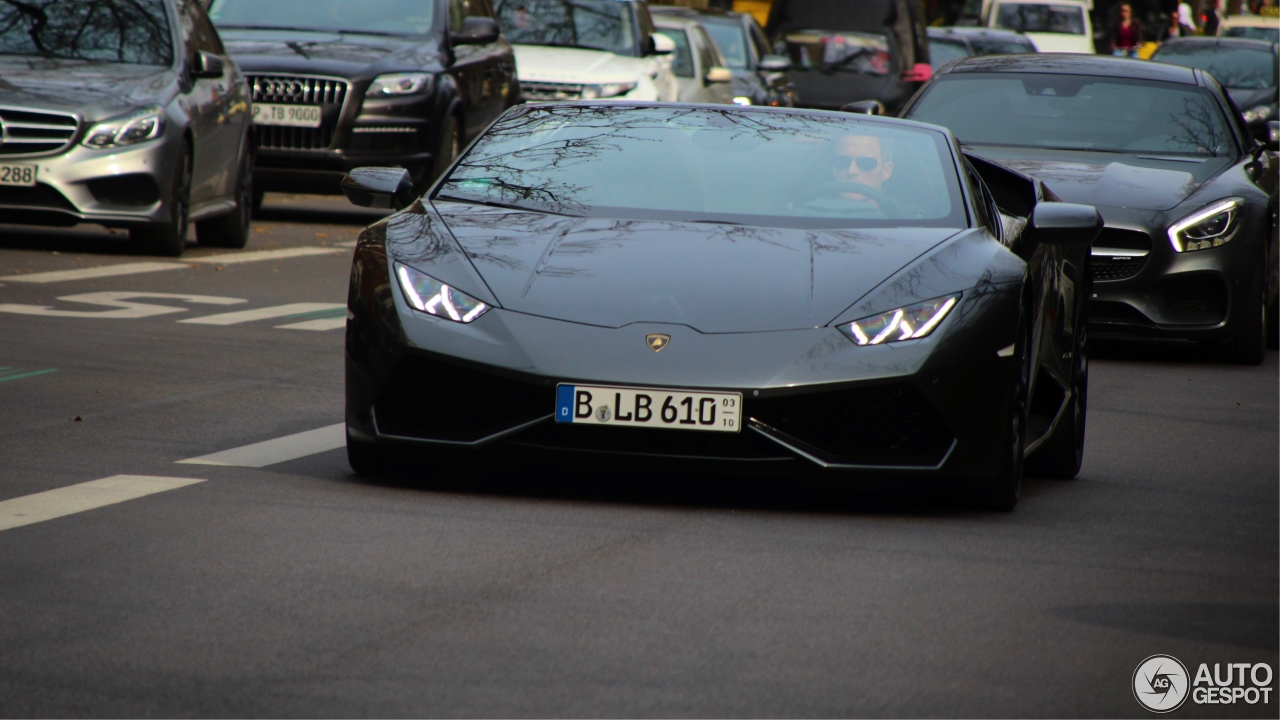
x,y
596,24
118,31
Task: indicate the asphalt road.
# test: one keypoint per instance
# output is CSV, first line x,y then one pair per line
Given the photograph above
x,y
295,588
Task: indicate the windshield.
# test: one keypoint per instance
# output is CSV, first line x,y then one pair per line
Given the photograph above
x,y
1237,68
728,36
1252,32
1068,19
593,24
374,17
985,46
706,165
134,32
1075,112
942,52
862,53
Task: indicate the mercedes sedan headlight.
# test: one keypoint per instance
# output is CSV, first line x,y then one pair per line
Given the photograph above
x,y
1208,227
1258,114
741,100
130,129
426,294
410,83
906,323
599,92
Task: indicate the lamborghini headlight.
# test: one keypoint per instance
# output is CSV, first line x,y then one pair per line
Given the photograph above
x,y
134,128
906,323
426,294
1208,227
599,92
400,84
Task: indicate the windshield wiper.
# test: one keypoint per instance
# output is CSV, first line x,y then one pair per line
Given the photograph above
x,y
331,31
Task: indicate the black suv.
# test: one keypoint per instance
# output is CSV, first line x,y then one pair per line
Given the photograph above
x,y
339,84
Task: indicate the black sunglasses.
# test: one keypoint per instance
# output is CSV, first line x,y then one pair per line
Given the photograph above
x,y
865,163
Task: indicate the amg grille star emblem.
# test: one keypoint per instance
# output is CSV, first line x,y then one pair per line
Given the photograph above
x,y
657,341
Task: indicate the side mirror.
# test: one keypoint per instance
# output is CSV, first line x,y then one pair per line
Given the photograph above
x,y
719,75
662,45
864,107
774,63
206,65
379,187
1273,136
1058,223
476,31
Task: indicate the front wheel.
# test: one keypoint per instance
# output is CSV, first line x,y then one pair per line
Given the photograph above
x,y
169,238
1248,344
999,493
1062,454
232,229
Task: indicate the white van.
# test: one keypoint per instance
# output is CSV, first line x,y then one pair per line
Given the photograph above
x,y
1053,25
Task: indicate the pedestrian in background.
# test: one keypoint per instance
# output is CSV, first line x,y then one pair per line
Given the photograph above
x,y
1210,18
1186,19
1127,34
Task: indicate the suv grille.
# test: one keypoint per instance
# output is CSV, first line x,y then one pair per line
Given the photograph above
x,y
24,132
1119,254
328,93
548,92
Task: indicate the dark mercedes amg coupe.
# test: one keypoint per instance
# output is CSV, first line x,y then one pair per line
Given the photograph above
x,y
619,280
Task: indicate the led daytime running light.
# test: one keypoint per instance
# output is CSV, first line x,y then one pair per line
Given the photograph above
x,y
428,295
906,323
1197,232
138,127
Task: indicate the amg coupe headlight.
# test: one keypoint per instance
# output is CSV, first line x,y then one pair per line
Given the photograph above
x,y
908,323
1208,227
131,129
400,84
1258,114
599,92
426,294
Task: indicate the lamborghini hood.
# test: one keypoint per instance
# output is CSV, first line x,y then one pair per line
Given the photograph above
x,y
713,278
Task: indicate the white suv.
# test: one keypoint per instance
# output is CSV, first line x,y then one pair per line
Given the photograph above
x,y
1053,25
587,50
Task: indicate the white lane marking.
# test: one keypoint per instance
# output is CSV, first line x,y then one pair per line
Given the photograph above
x,y
94,272
270,452
350,244
317,325
260,255
85,496
118,299
277,311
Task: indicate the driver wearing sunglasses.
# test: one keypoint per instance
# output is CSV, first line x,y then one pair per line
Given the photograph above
x,y
861,159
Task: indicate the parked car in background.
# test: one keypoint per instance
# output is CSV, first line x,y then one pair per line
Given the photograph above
x,y
124,114
1249,69
1188,195
1253,27
759,77
337,85
696,62
993,41
588,49
946,45
1053,25
842,52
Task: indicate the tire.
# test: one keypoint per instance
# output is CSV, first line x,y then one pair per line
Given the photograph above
x,y
999,493
1061,456
169,238
231,230
1273,324
1248,343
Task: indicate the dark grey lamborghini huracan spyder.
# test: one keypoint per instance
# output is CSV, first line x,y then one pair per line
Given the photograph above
x,y
818,292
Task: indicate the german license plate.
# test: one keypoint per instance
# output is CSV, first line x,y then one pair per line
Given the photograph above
x,y
649,408
19,175
287,115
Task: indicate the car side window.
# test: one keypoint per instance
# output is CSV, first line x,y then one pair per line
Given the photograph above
x,y
457,11
759,42
984,206
706,50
